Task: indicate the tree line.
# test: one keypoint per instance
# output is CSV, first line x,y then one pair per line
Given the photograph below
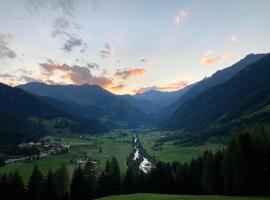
x,y
242,168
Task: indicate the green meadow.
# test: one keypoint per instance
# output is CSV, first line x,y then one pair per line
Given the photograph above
x,y
110,144
169,151
106,146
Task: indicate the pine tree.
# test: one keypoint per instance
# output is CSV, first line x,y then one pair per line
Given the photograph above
x,y
212,182
90,179
36,185
129,182
76,186
61,182
49,188
114,177
227,169
244,166
103,184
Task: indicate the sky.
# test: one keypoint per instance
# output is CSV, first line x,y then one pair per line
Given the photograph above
x,y
127,46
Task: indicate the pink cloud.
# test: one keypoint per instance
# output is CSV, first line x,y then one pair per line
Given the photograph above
x,y
127,74
181,15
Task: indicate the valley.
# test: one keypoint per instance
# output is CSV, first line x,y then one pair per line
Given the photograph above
x,y
112,144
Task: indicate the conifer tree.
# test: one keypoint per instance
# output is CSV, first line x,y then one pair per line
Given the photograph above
x,y
49,188
62,182
35,190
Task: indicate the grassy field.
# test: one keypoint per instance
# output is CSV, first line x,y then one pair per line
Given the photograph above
x,y
177,197
170,152
111,144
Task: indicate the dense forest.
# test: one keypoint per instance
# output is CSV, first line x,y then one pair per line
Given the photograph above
x,y
242,168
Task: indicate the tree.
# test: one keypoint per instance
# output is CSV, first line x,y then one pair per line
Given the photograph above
x,y
212,181
129,182
76,186
36,184
61,182
90,179
49,187
244,166
227,169
114,177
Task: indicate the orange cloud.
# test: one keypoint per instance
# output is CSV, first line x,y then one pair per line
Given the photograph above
x,y
127,74
174,86
210,59
167,88
63,73
117,88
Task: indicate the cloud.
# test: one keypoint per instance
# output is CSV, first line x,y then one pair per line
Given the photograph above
x,y
233,40
75,73
210,59
5,51
118,87
61,29
181,15
6,76
93,66
167,88
143,60
127,74
145,89
174,86
66,6
72,42
107,51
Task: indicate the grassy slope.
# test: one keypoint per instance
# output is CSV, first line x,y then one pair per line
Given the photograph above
x,y
177,197
171,152
112,145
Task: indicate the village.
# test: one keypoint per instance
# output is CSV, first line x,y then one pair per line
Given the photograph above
x,y
40,149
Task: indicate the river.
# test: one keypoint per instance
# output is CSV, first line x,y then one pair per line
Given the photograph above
x,y
145,164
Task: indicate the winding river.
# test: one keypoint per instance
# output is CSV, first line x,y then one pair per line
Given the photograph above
x,y
145,164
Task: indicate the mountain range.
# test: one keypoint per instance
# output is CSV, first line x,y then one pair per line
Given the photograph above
x,y
228,104
25,116
92,101
228,99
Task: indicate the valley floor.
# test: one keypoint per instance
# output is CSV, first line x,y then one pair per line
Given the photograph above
x,y
103,147
177,197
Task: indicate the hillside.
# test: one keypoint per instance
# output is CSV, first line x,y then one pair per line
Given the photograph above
x,y
92,101
247,92
24,117
217,78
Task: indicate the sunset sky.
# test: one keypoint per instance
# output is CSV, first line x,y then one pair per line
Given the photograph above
x,y
127,46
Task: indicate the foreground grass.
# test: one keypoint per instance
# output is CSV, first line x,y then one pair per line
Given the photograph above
x,y
177,197
111,144
170,152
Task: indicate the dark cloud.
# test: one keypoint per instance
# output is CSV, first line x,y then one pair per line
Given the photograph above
x,y
61,23
107,51
72,42
61,26
77,74
93,66
5,50
68,7
143,60
6,76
